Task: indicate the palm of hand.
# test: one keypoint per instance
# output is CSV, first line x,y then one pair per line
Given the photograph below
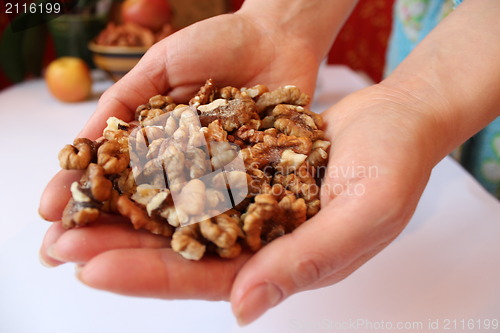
x,y
241,55
231,49
361,213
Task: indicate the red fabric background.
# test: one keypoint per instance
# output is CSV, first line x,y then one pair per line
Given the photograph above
x,y
362,42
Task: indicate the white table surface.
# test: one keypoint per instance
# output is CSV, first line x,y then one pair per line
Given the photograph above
x,y
444,266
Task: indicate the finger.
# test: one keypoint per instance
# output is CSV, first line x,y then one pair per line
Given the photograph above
x,y
341,274
57,194
80,245
51,236
160,273
325,247
148,78
183,94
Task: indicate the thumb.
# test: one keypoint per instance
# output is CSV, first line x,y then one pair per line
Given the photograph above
x,y
324,250
148,78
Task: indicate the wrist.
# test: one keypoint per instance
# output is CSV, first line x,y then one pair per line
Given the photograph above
x,y
315,22
430,109
395,117
453,75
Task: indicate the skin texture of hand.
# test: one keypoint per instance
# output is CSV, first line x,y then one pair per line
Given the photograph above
x,y
370,192
242,49
233,50
240,55
385,141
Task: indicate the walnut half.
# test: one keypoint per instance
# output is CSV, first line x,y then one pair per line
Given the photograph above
x,y
232,171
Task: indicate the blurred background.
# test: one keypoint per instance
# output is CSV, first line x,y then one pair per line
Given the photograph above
x,y
24,54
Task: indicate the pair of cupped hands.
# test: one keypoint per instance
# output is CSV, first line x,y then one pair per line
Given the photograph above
x,y
376,129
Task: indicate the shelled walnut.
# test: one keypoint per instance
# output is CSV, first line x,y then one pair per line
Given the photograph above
x,y
130,34
232,170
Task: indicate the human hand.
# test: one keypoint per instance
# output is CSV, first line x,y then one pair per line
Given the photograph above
x,y
380,161
397,134
371,188
234,49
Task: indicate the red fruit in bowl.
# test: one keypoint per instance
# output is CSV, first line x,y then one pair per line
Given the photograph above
x,y
151,14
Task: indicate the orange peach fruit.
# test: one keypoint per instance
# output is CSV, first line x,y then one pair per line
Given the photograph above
x,y
68,79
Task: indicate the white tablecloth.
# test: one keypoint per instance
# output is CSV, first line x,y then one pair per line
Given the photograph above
x,y
444,268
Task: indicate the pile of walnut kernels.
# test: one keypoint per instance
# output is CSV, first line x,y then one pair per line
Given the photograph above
x,y
279,140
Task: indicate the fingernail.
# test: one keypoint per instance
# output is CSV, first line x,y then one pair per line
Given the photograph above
x,y
41,215
51,252
257,301
45,263
78,270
